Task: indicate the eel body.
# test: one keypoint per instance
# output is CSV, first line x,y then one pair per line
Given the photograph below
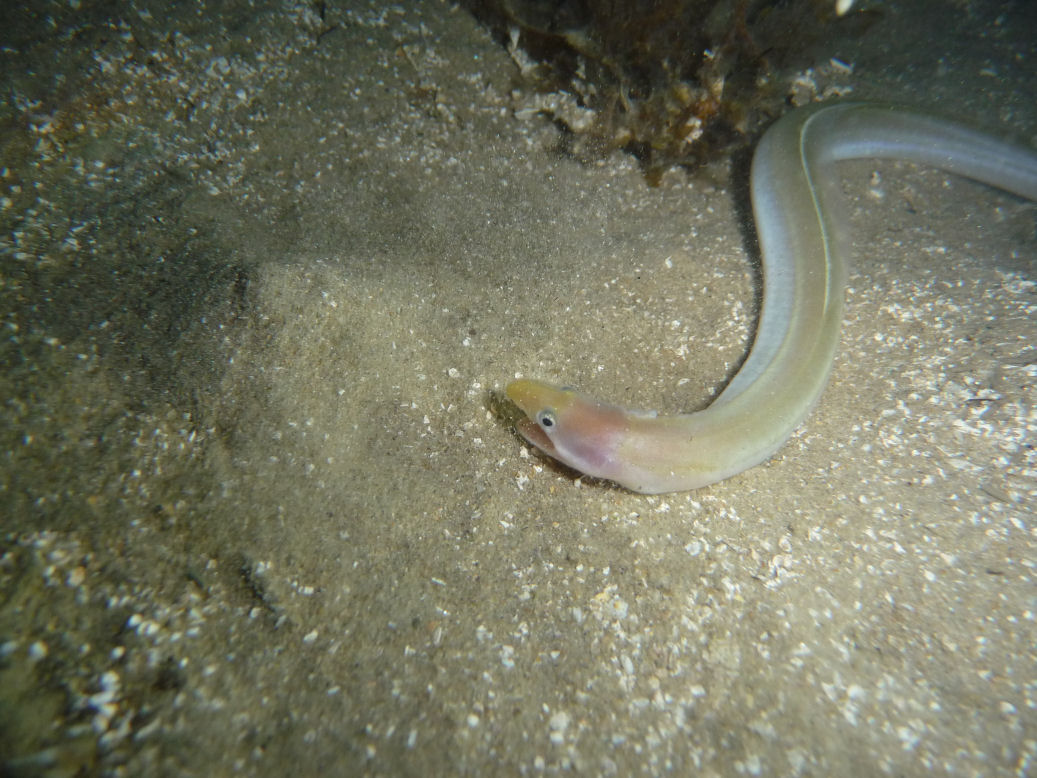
x,y
794,189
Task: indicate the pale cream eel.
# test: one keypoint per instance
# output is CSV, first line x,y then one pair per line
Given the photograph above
x,y
793,187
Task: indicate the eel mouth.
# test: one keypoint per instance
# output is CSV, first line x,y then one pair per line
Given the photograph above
x,y
527,395
531,431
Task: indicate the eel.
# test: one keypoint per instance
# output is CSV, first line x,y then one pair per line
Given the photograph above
x,y
794,191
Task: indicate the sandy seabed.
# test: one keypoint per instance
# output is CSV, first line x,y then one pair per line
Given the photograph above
x,y
264,276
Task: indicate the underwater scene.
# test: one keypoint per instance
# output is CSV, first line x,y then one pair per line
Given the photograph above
x,y
282,492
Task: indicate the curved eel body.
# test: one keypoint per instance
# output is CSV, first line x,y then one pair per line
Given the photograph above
x,y
794,189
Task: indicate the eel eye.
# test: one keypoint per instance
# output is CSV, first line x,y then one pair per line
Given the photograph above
x,y
546,418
